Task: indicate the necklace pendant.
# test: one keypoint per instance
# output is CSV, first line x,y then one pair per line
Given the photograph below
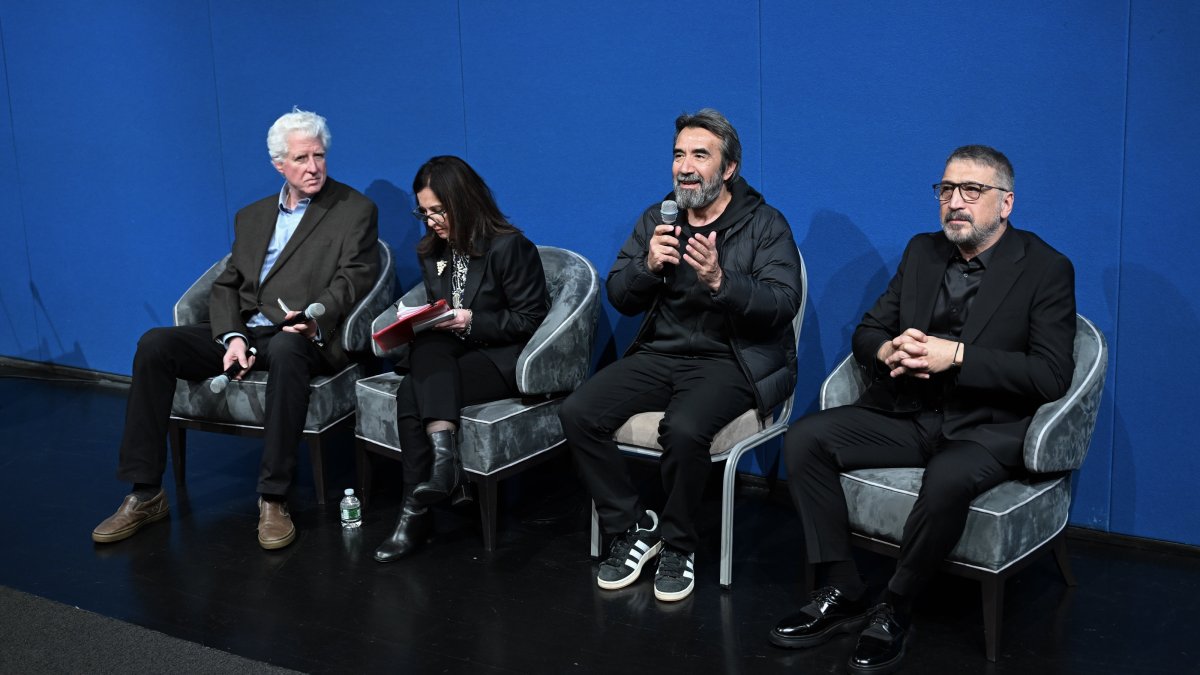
x,y
441,267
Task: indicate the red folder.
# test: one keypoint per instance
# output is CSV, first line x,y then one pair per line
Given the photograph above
x,y
409,322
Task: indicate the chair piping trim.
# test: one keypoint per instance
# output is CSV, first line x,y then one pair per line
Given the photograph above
x,y
591,292
910,493
514,413
1062,410
474,471
377,287
241,425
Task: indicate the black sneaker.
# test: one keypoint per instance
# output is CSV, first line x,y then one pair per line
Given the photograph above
x,y
676,575
630,552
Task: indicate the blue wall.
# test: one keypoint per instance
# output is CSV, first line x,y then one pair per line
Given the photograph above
x,y
130,132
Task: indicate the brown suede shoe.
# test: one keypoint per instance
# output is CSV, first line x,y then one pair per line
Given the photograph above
x,y
275,528
131,517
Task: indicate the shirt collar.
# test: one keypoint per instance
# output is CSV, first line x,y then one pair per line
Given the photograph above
x,y
300,205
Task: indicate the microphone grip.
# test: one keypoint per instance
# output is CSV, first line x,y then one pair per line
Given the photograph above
x,y
221,381
313,311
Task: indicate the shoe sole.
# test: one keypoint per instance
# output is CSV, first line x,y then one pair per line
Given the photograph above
x,y
633,575
883,668
129,531
675,596
278,543
848,625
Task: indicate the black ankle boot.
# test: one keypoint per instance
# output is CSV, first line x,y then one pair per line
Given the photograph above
x,y
447,469
413,528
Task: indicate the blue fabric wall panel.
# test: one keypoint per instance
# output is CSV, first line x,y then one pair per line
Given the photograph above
x,y
18,313
116,137
387,77
570,112
859,115
1156,463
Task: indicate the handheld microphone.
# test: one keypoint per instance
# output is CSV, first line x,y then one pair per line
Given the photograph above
x,y
221,381
670,211
313,311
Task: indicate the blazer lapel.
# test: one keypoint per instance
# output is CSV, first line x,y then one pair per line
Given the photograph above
x,y
475,267
263,228
930,274
316,211
1006,266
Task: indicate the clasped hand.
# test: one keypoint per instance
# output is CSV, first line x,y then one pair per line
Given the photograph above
x,y
701,254
916,354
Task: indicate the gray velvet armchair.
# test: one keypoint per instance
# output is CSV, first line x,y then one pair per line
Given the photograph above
x,y
239,408
500,438
638,437
1010,525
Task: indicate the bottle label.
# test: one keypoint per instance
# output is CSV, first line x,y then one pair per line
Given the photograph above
x,y
351,514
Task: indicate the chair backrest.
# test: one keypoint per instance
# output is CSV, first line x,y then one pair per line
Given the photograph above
x,y
785,413
1061,430
192,306
559,354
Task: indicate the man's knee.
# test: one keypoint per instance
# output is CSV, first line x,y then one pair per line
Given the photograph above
x,y
156,341
289,350
685,434
801,444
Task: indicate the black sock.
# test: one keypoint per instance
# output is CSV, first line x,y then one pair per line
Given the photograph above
x,y
278,499
145,491
843,575
645,522
902,604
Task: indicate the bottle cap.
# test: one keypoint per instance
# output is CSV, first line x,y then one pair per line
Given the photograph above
x,y
349,492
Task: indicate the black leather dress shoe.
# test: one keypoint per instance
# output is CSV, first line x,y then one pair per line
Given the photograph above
x,y
881,644
827,614
411,532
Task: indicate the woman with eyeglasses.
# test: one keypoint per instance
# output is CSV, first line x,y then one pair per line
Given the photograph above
x,y
492,277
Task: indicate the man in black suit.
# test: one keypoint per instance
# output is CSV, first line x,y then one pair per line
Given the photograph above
x,y
973,333
315,241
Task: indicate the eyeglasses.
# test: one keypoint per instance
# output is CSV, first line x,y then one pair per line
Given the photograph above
x,y
969,191
439,216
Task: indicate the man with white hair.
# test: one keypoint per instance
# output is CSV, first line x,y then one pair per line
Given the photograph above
x,y
313,241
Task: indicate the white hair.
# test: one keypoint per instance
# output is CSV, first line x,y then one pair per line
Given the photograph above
x,y
308,124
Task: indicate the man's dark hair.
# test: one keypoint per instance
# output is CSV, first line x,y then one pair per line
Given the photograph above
x,y
987,156
714,122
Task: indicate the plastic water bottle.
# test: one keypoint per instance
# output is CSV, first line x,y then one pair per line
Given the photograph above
x,y
351,511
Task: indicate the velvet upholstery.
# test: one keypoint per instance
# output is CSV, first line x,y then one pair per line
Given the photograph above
x,y
499,438
1012,520
639,437
239,408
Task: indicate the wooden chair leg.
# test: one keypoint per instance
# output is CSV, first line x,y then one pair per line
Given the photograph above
x,y
993,614
487,509
362,466
318,465
177,436
1064,563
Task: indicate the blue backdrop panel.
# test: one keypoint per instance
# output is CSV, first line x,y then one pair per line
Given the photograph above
x,y
18,313
387,77
570,113
860,115
1156,463
116,137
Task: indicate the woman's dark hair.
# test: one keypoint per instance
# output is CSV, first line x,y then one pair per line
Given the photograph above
x,y
470,206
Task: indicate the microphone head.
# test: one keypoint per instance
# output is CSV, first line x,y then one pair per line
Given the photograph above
x,y
218,384
315,311
670,211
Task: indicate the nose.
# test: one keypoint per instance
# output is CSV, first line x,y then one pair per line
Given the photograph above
x,y
956,199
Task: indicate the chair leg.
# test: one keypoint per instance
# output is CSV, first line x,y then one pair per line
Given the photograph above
x,y
728,490
1064,563
177,436
993,613
318,466
362,466
595,532
488,493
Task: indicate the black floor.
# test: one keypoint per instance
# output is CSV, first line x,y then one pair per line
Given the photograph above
x,y
323,605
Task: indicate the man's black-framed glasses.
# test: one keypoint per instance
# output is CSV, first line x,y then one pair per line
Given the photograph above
x,y
970,191
439,216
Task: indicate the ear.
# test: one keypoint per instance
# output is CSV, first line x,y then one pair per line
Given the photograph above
x,y
278,166
1006,206
729,171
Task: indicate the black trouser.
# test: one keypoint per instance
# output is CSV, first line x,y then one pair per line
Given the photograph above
x,y
446,374
190,353
699,395
824,444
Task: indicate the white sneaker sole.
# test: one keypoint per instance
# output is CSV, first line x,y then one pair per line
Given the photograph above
x,y
677,595
634,573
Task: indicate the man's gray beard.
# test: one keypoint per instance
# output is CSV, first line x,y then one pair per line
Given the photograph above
x,y
698,199
973,236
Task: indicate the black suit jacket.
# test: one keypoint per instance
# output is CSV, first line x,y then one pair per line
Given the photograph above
x,y
1018,339
332,258
505,291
